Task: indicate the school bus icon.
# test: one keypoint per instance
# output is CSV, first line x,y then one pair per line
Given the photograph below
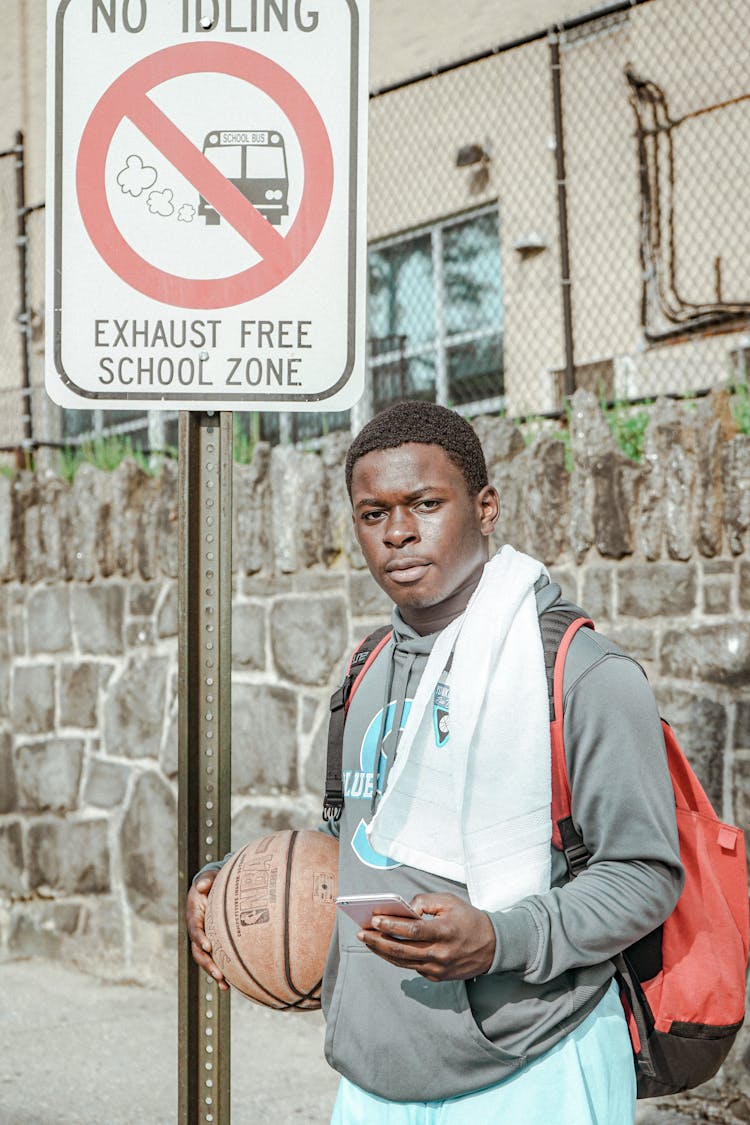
x,y
255,162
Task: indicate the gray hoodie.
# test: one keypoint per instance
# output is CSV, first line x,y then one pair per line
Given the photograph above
x,y
405,1038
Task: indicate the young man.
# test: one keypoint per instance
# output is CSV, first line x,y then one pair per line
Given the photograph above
x,y
497,1003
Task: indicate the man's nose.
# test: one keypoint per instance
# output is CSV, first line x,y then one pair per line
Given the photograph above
x,y
400,528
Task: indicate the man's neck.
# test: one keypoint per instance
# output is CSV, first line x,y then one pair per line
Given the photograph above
x,y
433,619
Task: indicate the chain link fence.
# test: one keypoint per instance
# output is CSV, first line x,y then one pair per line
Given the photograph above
x,y
570,210
611,156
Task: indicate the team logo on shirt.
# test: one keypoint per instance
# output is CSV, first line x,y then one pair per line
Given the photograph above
x,y
440,709
358,783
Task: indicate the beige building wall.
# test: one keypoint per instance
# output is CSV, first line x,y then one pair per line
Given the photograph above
x,y
505,103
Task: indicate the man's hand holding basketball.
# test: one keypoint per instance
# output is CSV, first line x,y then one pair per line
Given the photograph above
x,y
195,919
451,941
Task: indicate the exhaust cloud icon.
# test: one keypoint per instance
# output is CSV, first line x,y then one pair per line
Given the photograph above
x,y
137,178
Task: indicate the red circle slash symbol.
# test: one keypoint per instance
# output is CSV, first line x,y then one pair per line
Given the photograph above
x,y
127,97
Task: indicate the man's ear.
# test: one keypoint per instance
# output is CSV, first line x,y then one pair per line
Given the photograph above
x,y
488,504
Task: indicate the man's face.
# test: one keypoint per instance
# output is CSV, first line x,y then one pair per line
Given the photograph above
x,y
423,536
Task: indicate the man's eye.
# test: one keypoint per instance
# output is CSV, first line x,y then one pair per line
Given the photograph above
x,y
429,505
370,517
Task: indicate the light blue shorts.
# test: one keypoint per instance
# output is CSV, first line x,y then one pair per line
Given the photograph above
x,y
588,1078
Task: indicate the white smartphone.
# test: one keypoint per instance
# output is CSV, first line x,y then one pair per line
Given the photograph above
x,y
362,907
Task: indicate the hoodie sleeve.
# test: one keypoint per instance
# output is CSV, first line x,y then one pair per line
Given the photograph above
x,y
623,806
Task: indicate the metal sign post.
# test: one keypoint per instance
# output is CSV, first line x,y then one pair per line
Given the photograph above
x,y
204,810
206,253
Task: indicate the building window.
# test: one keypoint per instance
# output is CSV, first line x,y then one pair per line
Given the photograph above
x,y
435,314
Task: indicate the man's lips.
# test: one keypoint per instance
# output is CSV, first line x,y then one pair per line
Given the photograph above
x,y
406,570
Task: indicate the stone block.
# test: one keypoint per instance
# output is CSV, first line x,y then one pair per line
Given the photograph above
x,y
17,625
88,508
267,585
308,637
8,791
717,596
251,541
106,783
701,725
264,739
254,821
33,698
299,503
249,636
542,482
309,713
603,486
38,929
366,599
139,634
4,621
501,441
79,693
11,859
668,495
314,769
142,598
48,774
712,567
69,856
319,581
742,725
169,757
567,579
163,529
48,620
718,654
736,478
166,617
134,708
745,585
656,589
4,687
7,559
597,594
148,848
98,618
638,641
741,797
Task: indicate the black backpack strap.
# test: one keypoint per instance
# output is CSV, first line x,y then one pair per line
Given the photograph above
x,y
360,661
557,627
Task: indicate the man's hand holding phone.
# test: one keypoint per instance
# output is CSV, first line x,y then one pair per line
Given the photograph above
x,y
439,936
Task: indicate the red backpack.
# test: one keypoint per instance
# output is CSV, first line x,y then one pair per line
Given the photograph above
x,y
682,986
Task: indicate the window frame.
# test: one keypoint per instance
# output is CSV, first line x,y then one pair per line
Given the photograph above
x,y
439,347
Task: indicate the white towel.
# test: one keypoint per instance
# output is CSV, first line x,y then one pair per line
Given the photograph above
x,y
477,809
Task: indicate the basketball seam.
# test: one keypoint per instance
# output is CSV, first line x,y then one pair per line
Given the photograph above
x,y
303,996
240,958
287,898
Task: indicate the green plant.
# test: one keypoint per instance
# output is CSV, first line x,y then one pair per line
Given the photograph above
x,y
740,406
105,453
245,437
628,426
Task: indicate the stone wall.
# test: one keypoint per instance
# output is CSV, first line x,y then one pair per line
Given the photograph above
x,y
658,553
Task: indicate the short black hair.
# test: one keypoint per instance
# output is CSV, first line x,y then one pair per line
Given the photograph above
x,y
427,424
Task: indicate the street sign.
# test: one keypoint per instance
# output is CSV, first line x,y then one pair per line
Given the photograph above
x,y
206,223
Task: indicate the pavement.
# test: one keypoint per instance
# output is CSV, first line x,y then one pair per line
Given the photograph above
x,y
79,1050
76,1050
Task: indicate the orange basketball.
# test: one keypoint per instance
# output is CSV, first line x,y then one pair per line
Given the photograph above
x,y
270,917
